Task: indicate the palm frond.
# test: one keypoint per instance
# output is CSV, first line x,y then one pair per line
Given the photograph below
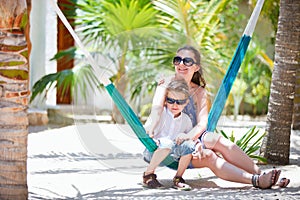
x,y
78,80
247,139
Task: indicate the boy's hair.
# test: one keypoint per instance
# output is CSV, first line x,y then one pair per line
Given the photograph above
x,y
179,85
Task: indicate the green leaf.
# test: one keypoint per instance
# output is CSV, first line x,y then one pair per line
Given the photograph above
x,y
79,80
247,139
224,134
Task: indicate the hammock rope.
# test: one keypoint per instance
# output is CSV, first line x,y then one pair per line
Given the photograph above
x,y
217,106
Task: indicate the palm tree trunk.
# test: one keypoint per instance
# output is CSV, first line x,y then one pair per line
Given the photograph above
x,y
121,85
276,144
14,92
296,118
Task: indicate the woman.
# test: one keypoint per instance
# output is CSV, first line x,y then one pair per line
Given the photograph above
x,y
236,165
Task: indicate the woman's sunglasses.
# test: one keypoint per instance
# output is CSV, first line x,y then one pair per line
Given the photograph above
x,y
177,101
186,61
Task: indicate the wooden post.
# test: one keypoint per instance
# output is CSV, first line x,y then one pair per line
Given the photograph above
x,y
64,41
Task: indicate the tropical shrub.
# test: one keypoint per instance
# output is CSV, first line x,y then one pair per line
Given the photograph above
x,y
250,142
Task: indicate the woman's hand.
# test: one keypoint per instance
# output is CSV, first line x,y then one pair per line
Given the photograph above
x,y
200,152
149,127
151,135
149,131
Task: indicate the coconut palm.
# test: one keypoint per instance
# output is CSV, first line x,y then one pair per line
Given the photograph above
x,y
122,27
14,81
276,145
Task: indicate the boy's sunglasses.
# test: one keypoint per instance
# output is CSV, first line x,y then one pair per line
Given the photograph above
x,y
177,101
186,61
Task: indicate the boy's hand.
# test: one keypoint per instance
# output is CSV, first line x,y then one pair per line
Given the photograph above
x,y
181,138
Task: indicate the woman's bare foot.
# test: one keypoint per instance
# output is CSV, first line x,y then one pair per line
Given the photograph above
x,y
276,177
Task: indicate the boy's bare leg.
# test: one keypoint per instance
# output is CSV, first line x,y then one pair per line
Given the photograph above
x,y
158,156
183,164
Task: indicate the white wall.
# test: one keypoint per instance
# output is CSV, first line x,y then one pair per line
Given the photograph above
x,y
43,35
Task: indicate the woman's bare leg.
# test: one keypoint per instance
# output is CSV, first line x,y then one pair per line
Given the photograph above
x,y
222,169
231,152
225,170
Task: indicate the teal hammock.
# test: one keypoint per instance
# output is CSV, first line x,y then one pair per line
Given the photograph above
x,y
219,101
218,104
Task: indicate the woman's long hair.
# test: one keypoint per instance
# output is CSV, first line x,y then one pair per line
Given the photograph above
x,y
198,75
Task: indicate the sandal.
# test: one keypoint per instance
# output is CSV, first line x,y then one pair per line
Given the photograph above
x,y
179,184
150,181
283,182
277,174
259,182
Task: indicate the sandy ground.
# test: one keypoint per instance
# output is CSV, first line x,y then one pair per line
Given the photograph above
x,y
104,161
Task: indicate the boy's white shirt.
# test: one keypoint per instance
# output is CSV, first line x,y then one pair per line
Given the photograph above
x,y
169,127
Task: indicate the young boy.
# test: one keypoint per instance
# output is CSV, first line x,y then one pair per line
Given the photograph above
x,y
168,136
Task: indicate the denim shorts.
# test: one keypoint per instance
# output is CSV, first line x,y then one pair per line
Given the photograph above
x,y
185,148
